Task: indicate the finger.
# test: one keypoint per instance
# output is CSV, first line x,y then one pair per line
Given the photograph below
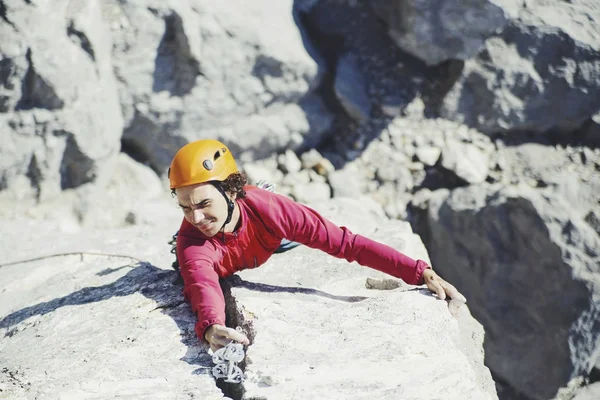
x,y
236,335
453,293
439,290
219,341
435,286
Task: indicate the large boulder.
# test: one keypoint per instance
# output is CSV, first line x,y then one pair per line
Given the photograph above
x,y
440,30
539,74
60,119
111,321
104,324
527,259
349,340
234,71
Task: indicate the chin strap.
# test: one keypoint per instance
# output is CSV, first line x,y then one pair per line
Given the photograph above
x,y
230,205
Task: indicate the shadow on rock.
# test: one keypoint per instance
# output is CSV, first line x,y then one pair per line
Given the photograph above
x,y
156,284
236,281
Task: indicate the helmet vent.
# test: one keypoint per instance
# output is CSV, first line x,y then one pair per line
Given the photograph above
x,y
217,155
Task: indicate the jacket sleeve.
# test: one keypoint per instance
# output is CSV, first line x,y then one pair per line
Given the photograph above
x,y
202,290
305,225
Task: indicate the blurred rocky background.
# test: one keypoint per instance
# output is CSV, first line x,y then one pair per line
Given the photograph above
x,y
478,121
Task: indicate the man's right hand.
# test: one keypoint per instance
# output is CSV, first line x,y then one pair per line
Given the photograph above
x,y
220,336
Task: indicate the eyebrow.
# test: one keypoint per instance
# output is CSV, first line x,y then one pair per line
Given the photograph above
x,y
201,203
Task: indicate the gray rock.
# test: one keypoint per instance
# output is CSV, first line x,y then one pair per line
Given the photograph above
x,y
263,170
311,192
350,181
428,155
440,30
313,160
466,161
518,247
289,162
351,88
539,74
313,353
61,338
189,71
60,121
590,392
94,325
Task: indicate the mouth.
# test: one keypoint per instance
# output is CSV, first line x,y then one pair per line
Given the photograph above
x,y
204,225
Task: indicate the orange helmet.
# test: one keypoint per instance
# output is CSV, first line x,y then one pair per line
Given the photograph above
x,y
199,162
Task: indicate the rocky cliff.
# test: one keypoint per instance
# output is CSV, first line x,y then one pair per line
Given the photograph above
x,y
477,121
105,318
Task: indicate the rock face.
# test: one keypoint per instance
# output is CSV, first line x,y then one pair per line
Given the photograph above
x,y
539,74
237,72
406,102
437,30
92,325
525,273
60,119
350,341
96,326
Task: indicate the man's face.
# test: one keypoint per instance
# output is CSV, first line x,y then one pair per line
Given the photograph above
x,y
203,206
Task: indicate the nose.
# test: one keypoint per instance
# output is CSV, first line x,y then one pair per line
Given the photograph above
x,y
197,216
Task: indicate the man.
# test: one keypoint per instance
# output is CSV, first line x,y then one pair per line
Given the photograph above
x,y
229,226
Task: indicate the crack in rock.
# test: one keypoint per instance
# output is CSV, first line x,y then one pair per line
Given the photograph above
x,y
236,317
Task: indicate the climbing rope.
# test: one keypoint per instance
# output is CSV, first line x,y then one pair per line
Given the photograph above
x,y
76,253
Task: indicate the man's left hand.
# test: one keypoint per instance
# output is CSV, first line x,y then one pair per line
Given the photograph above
x,y
440,287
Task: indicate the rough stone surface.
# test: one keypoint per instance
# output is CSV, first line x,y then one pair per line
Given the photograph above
x,y
404,338
350,88
235,71
60,120
242,72
440,30
95,325
510,237
591,392
539,74
467,162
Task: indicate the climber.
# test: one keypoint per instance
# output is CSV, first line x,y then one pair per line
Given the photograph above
x,y
230,226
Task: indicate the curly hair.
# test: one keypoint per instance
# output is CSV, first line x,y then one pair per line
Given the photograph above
x,y
235,184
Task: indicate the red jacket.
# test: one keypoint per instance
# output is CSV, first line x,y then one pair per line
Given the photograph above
x,y
265,219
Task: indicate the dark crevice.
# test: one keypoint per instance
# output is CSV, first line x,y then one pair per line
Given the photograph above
x,y
76,168
135,151
441,79
594,376
587,135
3,14
36,92
175,68
7,70
235,318
34,174
327,48
144,140
438,177
81,39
